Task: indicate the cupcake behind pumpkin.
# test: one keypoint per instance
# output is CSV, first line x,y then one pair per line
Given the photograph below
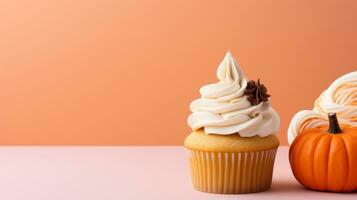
x,y
323,150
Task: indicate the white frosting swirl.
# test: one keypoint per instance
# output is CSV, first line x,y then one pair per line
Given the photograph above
x,y
224,109
340,98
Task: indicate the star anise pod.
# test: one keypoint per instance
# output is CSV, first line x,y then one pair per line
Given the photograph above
x,y
256,92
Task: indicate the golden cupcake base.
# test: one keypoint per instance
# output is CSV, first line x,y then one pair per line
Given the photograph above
x,y
232,172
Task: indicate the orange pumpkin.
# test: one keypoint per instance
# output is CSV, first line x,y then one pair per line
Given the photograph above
x,y
325,158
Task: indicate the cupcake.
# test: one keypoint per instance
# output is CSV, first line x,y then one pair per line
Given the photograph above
x,y
323,141
232,146
340,98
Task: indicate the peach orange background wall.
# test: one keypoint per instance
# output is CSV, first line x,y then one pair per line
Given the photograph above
x,y
110,72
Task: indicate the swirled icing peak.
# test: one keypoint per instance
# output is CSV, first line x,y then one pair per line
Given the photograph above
x,y
228,70
224,108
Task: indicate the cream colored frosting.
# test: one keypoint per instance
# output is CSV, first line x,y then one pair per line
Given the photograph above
x,y
224,109
340,98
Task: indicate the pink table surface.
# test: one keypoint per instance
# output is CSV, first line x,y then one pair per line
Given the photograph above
x,y
105,173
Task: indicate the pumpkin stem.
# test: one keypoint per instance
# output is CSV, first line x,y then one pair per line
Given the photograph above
x,y
334,127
